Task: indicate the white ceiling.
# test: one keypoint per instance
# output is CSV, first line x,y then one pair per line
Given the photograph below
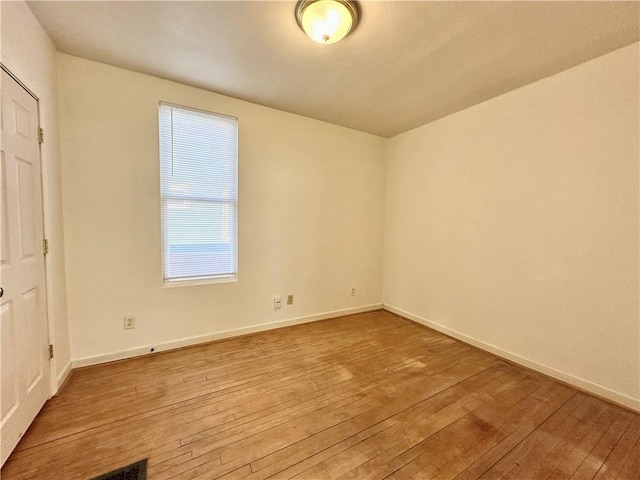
x,y
406,64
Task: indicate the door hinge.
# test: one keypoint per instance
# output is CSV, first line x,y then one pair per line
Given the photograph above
x,y
41,135
45,246
50,351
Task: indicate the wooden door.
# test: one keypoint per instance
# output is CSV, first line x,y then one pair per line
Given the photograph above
x,y
24,353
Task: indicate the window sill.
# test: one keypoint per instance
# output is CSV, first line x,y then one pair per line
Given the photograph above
x,y
200,281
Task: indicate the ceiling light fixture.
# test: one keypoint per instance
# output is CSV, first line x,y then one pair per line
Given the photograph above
x,y
326,21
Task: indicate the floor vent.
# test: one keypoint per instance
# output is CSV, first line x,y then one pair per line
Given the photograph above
x,y
135,471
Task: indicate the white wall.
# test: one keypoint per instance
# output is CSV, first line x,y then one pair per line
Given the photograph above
x,y
30,55
514,225
311,215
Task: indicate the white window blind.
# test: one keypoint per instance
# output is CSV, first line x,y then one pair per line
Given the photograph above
x,y
199,189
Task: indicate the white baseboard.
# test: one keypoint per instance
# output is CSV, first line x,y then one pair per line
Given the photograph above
x,y
185,342
580,383
63,375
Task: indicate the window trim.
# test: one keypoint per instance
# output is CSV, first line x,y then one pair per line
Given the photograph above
x,y
191,282
208,279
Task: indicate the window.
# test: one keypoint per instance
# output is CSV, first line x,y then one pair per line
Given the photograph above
x,y
199,190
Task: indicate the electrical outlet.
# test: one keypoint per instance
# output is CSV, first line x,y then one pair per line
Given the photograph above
x,y
129,323
353,291
289,299
277,302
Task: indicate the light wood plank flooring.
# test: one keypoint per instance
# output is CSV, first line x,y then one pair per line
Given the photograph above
x,y
365,396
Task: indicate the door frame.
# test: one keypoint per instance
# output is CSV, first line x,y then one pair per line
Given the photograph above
x,y
53,375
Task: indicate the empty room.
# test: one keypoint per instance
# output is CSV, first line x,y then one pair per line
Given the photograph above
x,y
320,239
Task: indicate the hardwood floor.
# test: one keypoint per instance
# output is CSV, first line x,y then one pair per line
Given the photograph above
x,y
365,396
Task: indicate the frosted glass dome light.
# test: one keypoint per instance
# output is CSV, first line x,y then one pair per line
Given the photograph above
x,y
326,21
